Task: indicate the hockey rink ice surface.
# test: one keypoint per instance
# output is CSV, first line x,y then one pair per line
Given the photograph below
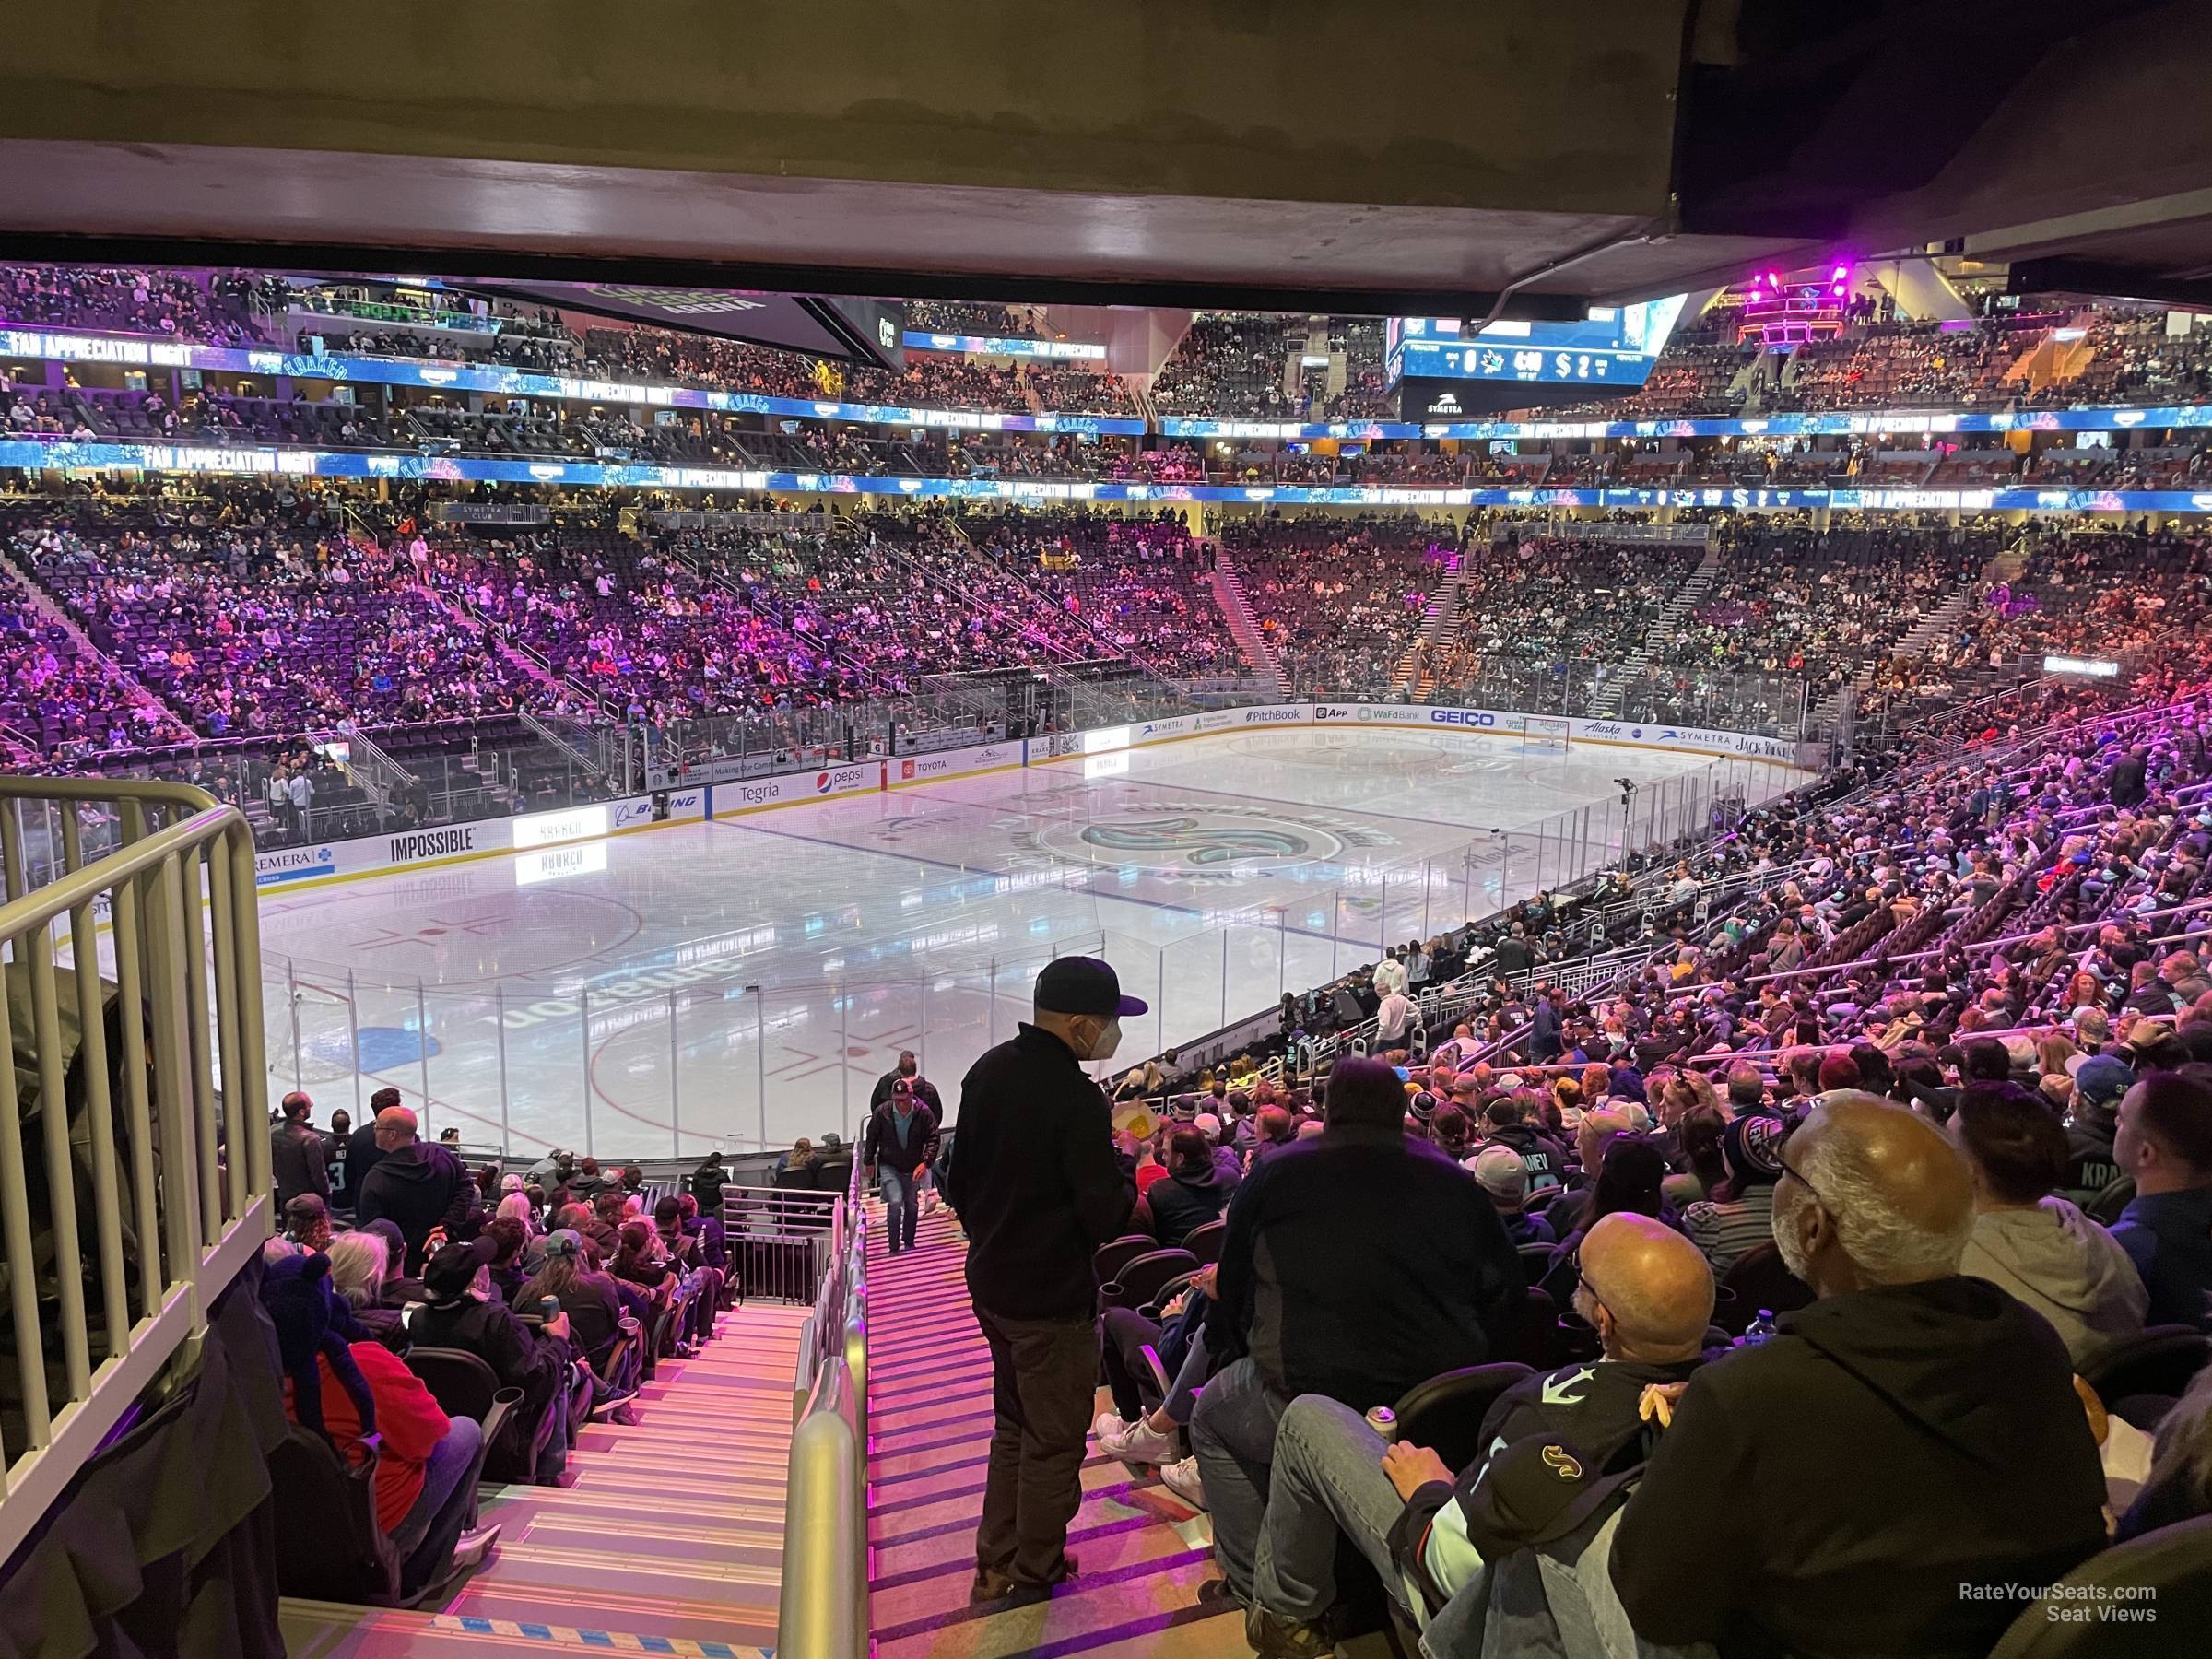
x,y
746,980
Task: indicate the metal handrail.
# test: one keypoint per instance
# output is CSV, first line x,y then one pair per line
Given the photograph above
x,y
823,1612
172,1219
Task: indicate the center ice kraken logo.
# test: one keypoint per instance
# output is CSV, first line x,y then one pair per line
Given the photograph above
x,y
1199,845
1204,841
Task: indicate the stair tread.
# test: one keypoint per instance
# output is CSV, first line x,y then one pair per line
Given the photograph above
x,y
325,1630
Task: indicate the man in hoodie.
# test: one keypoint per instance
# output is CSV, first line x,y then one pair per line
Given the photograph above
x,y
1648,1294
418,1188
1542,1158
1194,1193
1878,1474
2165,1142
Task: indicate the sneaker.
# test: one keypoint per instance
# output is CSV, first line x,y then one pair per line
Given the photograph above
x,y
1276,1638
1181,1478
1140,1443
1110,1425
469,1550
989,1585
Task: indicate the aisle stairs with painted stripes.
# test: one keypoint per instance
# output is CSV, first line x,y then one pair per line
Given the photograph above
x,y
1142,1551
669,1537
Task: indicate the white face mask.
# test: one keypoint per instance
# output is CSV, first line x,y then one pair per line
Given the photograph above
x,y
1109,1038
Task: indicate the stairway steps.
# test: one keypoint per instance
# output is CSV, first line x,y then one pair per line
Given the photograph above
x,y
957,1494
566,1566
1094,1613
742,1463
904,1597
729,1510
658,1612
1103,1518
612,1471
327,1630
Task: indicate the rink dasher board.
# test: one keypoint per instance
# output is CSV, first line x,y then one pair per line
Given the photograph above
x,y
542,837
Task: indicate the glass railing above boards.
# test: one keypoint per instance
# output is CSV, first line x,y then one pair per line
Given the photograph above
x,y
377,311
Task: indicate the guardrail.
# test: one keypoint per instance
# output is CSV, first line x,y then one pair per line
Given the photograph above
x,y
823,1612
146,1097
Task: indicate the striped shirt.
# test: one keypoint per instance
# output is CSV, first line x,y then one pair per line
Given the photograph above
x,y
1725,1230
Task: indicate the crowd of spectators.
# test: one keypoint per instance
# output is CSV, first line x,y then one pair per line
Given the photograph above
x,y
1077,391
934,380
2128,355
1231,363
570,1285
1902,365
61,703
988,318
1550,600
205,306
1236,364
1338,600
2087,594
261,630
1819,606
652,636
1142,583
1905,1118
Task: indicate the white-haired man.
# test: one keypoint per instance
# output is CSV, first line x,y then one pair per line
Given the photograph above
x,y
1872,1480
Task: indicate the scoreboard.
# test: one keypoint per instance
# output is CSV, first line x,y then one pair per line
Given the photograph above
x,y
1613,345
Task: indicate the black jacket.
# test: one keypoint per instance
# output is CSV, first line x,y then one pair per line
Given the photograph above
x,y
1188,1199
1511,956
1545,1158
1358,1264
707,1182
295,1157
1856,1470
1035,1181
532,1361
1594,1407
879,1147
2091,1165
362,1155
417,1189
924,1090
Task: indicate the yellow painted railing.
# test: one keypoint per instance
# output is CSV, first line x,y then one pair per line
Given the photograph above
x,y
135,1173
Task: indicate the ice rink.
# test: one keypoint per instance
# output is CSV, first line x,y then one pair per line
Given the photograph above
x,y
746,980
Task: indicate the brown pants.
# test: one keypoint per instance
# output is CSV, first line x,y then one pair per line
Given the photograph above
x,y
1042,1375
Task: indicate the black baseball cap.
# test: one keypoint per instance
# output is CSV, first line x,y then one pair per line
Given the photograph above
x,y
1083,986
449,1273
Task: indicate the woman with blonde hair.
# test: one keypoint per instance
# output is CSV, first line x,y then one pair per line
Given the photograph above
x,y
359,1264
2052,1053
1567,1095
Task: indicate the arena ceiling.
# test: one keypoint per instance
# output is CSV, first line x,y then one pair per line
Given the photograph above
x,y
1433,156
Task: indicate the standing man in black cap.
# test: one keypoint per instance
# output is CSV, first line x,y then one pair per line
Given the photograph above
x,y
1038,1188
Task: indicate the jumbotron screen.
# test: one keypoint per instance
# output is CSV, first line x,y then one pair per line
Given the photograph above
x,y
1615,346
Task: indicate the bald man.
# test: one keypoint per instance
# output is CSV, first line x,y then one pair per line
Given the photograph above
x,y
1647,1291
416,1187
1907,1441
